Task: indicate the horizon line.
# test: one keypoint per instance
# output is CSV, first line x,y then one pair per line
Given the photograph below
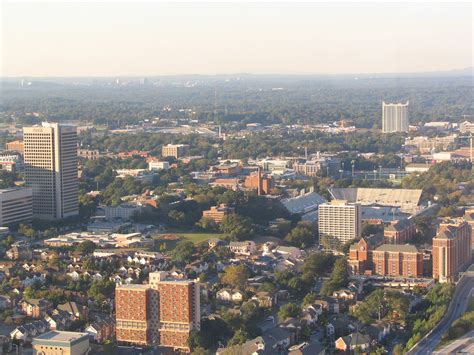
x,y
465,69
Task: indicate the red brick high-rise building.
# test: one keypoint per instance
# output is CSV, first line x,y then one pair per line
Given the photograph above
x,y
469,217
451,249
163,313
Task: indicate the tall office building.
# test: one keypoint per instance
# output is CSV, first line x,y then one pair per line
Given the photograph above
x,y
340,220
451,249
394,117
163,313
50,158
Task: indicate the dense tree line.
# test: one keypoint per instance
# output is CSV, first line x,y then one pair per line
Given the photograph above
x,y
234,103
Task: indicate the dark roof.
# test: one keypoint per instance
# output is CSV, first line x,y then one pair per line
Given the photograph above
x,y
356,339
398,225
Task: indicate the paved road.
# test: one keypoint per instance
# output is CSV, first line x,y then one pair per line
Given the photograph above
x,y
464,345
457,307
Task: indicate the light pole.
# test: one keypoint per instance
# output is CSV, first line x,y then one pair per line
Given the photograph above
x,y
353,165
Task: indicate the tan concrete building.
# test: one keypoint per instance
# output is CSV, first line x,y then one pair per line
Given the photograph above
x,y
340,220
61,343
163,313
174,150
50,159
16,205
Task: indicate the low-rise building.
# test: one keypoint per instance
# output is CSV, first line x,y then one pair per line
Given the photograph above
x,y
399,231
247,247
397,260
61,342
35,308
155,165
124,211
15,146
217,213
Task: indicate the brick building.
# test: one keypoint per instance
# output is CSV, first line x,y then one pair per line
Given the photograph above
x,y
370,256
257,181
399,231
397,260
132,304
15,146
164,312
217,213
35,308
451,249
469,217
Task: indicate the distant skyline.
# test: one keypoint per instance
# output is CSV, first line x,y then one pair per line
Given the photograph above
x,y
147,39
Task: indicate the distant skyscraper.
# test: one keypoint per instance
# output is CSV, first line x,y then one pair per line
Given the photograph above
x,y
394,117
50,157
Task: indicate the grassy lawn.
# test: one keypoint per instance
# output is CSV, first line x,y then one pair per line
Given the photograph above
x,y
196,238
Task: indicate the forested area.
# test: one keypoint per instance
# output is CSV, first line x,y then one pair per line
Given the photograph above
x,y
234,103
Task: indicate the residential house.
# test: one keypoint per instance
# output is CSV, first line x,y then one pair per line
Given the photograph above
x,y
35,308
293,252
228,295
379,331
28,331
344,294
353,341
101,329
21,252
265,299
75,310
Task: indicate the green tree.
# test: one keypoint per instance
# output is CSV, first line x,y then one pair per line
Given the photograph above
x,y
86,247
237,227
239,338
301,236
288,310
236,276
184,252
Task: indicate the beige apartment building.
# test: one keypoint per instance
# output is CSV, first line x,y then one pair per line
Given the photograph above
x,y
340,220
50,159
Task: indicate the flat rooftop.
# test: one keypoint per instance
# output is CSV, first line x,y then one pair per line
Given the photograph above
x,y
61,336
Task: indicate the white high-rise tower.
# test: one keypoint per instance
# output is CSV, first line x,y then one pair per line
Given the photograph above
x,y
394,117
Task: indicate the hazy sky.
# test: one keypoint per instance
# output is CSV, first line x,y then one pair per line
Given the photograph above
x,y
112,39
